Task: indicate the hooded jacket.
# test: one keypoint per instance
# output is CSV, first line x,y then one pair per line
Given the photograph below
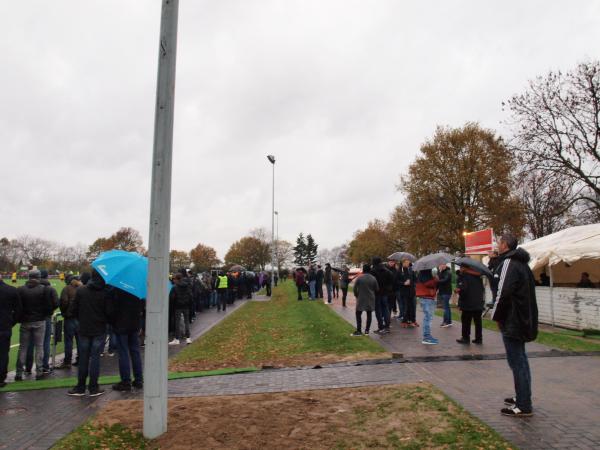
x,y
52,293
36,300
10,306
471,292
126,312
384,276
92,306
181,294
67,295
516,309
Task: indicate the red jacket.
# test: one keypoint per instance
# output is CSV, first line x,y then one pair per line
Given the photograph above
x,y
427,289
300,278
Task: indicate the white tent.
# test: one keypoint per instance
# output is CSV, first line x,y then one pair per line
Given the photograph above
x,y
567,253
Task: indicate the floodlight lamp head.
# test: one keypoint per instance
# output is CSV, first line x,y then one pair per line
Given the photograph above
x,y
271,158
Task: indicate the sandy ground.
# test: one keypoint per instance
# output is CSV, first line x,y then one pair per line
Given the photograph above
x,y
321,419
309,359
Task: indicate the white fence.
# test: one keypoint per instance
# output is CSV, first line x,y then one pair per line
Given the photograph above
x,y
569,307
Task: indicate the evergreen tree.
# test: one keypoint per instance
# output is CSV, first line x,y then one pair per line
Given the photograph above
x,y
311,249
300,251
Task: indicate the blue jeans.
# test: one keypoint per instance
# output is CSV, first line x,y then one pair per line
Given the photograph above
x,y
329,291
31,334
445,299
213,298
382,311
519,364
128,346
428,306
90,348
71,332
312,293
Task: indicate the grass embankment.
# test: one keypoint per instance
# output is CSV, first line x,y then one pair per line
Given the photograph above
x,y
557,338
280,332
14,339
411,416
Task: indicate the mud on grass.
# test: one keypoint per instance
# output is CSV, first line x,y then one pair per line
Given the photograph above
x,y
281,332
410,416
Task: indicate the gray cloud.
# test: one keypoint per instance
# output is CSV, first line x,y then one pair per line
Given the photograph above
x,y
342,92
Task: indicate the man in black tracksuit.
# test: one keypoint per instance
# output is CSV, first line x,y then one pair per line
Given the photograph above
x,y
517,316
10,310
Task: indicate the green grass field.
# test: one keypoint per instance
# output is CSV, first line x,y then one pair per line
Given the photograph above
x,y
278,331
14,339
560,339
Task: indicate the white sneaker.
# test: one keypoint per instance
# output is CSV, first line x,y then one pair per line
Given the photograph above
x,y
188,341
174,342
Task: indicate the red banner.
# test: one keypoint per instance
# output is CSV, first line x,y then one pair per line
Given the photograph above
x,y
479,242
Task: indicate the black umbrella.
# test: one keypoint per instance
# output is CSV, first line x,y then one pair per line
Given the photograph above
x,y
474,265
237,268
302,269
433,260
400,256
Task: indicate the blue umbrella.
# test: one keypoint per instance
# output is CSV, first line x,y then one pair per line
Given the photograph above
x,y
126,270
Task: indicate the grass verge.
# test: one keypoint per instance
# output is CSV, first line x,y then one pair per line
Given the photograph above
x,y
560,339
409,416
88,436
279,332
32,385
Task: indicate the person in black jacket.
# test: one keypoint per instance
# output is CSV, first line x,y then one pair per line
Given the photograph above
x,y
320,279
445,292
10,310
71,326
328,281
407,280
92,307
470,303
181,297
385,281
517,316
126,322
37,304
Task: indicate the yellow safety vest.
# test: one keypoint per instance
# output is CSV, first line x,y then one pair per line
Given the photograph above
x,y
223,282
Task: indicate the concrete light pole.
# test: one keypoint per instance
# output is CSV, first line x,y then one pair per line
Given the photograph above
x,y
271,159
157,314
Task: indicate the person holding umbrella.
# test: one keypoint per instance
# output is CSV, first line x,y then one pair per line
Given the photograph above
x,y
470,303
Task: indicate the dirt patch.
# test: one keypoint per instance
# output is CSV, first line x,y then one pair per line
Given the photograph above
x,y
308,359
396,416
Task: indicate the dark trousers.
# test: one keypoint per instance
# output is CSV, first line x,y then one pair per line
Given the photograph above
x,y
344,295
268,286
299,287
359,320
4,350
519,364
222,300
90,348
71,332
410,312
392,303
46,348
320,289
382,311
336,290
466,318
128,346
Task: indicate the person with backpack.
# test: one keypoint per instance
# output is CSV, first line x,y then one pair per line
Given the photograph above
x,y
517,317
37,305
71,326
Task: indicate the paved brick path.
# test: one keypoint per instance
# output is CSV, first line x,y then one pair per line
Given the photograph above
x,y
566,392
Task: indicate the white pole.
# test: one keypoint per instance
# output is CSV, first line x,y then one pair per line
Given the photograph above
x,y
157,313
551,293
273,232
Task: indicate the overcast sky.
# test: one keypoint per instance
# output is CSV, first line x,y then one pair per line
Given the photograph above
x,y
343,93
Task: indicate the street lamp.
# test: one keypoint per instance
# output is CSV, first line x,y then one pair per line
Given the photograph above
x,y
271,159
277,241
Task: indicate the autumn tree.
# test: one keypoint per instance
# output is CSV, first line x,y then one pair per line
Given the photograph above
x,y
250,252
370,242
34,251
336,256
179,259
204,257
556,129
283,254
126,238
460,181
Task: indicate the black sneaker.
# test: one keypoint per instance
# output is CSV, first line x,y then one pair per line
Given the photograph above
x,y
515,412
2,384
41,376
511,401
76,392
18,377
63,365
123,386
477,341
463,341
138,384
96,392
356,333
367,331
